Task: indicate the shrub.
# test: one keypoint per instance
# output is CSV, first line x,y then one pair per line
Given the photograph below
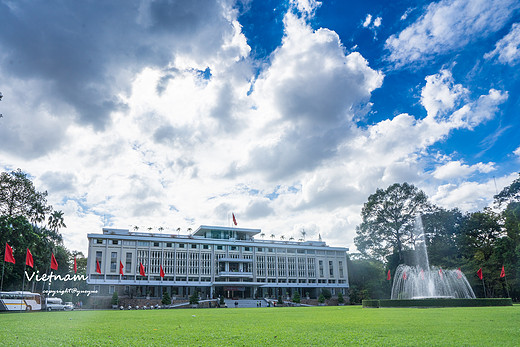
x,y
321,299
222,301
166,300
296,297
194,298
115,298
326,293
341,300
280,301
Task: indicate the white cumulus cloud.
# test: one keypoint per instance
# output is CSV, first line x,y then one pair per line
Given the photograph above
x,y
507,50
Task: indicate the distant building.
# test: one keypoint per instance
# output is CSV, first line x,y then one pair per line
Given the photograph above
x,y
215,261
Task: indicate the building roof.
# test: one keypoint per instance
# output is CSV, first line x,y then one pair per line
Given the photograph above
x,y
203,228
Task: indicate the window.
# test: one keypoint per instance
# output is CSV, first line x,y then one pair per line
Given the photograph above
x,y
320,263
180,245
247,249
220,248
259,249
113,261
205,246
232,248
168,244
128,243
156,244
193,246
128,263
331,269
340,269
111,289
143,243
115,242
99,241
99,256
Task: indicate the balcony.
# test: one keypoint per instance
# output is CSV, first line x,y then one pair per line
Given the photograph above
x,y
235,274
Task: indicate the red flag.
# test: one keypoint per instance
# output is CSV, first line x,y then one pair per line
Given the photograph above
x,y
404,276
479,273
98,268
29,259
422,274
141,270
120,268
234,219
75,266
459,273
440,273
8,257
162,271
54,263
388,277
503,272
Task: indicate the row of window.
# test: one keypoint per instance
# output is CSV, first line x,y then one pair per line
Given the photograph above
x,y
200,264
217,247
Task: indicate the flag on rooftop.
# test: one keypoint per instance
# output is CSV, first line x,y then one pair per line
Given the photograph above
x,y
54,263
8,257
29,259
234,219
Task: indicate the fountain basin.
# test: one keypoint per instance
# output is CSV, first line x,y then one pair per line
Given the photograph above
x,y
437,302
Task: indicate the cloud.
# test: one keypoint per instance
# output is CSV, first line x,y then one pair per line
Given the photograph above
x,y
367,21
310,92
446,26
79,60
507,50
455,169
517,152
441,94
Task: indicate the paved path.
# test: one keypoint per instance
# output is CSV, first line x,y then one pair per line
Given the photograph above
x,y
245,303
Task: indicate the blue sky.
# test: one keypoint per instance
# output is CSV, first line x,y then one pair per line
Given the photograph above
x,y
288,113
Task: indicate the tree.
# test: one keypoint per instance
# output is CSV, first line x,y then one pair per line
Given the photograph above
x,y
56,221
388,220
341,299
303,233
115,299
509,194
19,197
166,299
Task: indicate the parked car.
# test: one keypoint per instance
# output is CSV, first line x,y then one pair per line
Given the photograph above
x,y
69,306
54,304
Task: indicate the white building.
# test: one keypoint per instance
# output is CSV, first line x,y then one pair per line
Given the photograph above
x,y
213,261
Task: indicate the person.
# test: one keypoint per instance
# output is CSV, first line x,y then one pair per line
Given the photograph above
x,y
236,304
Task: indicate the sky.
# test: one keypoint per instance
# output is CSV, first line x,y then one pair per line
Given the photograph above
x,y
289,114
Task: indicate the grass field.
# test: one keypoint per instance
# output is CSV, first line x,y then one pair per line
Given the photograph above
x,y
483,326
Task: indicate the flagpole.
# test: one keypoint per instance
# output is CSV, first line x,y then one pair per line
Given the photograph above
x,y
2,283
483,285
23,282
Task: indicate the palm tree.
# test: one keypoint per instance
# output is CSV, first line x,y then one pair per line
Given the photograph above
x,y
136,228
150,228
178,231
301,240
160,229
282,237
273,236
262,235
303,233
291,238
56,221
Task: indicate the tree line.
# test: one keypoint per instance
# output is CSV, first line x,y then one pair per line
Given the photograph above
x,y
487,240
27,221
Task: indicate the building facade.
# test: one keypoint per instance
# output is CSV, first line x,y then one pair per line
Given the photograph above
x,y
215,261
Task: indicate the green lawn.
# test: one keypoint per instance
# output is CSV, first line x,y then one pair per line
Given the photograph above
x,y
482,326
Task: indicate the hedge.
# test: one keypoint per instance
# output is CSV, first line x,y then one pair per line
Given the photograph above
x,y
437,303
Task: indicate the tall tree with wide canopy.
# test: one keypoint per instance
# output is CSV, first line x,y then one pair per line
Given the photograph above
x,y
388,220
19,197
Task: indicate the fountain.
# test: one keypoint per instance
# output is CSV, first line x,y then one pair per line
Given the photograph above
x,y
422,285
422,281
